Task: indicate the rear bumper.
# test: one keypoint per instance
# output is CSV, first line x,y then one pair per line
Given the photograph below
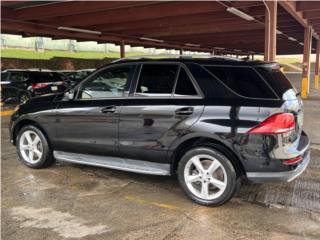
x,y
286,176
280,176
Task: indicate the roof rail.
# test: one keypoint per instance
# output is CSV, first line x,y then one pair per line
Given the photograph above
x,y
175,56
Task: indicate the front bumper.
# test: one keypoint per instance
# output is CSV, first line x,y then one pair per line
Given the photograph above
x,y
286,176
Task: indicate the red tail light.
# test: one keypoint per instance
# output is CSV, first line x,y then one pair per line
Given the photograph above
x,y
276,124
39,85
292,161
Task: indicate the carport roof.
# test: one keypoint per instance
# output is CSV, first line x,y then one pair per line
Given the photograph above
x,y
198,25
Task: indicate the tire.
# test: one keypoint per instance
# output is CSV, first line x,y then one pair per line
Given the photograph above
x,y
220,180
23,98
24,146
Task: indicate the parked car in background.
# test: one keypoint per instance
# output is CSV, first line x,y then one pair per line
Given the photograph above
x,y
75,76
210,121
18,86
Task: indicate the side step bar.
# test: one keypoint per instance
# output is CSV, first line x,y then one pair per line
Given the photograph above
x,y
123,164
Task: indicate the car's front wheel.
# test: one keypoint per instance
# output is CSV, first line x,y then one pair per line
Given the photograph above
x,y
33,147
207,176
23,98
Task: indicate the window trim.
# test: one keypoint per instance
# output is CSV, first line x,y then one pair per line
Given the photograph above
x,y
217,65
94,74
172,96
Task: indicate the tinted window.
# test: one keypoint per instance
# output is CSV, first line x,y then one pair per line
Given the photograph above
x,y
210,86
276,79
109,83
41,77
243,80
16,77
185,86
4,76
156,80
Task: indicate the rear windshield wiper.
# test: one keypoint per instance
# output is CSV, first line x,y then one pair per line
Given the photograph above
x,y
298,94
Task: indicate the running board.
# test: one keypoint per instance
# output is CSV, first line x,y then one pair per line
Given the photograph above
x,y
123,164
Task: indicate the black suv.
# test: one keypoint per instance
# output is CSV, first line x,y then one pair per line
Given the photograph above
x,y
21,85
210,121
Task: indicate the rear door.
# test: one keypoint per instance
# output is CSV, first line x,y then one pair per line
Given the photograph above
x,y
164,102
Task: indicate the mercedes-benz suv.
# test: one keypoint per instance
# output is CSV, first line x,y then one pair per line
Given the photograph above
x,y
211,122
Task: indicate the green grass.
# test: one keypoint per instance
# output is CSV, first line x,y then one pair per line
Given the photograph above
x,y
28,54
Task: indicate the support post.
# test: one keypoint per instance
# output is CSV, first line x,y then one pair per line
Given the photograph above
x,y
306,63
317,66
180,51
270,42
122,49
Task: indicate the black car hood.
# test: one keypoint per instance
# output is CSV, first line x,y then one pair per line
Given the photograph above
x,y
42,103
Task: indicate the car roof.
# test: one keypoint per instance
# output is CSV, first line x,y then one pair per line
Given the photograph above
x,y
27,70
203,60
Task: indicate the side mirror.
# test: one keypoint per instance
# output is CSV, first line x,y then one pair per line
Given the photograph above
x,y
71,95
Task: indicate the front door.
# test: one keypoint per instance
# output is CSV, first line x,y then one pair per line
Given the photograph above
x,y
90,123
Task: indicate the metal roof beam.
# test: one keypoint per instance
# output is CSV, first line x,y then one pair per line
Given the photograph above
x,y
19,28
74,7
308,5
218,17
312,15
290,7
197,29
136,14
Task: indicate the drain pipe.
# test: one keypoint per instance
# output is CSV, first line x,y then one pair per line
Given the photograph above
x,y
269,32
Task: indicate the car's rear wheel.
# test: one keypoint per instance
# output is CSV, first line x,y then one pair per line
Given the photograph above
x,y
33,148
207,176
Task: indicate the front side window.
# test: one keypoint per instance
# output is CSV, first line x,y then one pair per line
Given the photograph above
x,y
109,83
156,80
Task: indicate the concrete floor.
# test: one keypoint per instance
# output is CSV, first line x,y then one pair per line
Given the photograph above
x,y
71,201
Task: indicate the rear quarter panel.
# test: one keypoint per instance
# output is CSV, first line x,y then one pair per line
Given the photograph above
x,y
229,124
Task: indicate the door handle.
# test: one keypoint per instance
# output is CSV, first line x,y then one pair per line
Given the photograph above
x,y
109,109
185,111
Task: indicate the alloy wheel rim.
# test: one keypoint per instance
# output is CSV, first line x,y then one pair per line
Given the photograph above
x,y
31,147
205,177
24,99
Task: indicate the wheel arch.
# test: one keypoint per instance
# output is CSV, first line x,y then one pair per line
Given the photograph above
x,y
204,141
25,122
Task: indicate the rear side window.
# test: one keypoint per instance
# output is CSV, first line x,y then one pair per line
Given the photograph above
x,y
276,79
40,77
156,80
209,85
16,77
4,76
184,85
243,81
